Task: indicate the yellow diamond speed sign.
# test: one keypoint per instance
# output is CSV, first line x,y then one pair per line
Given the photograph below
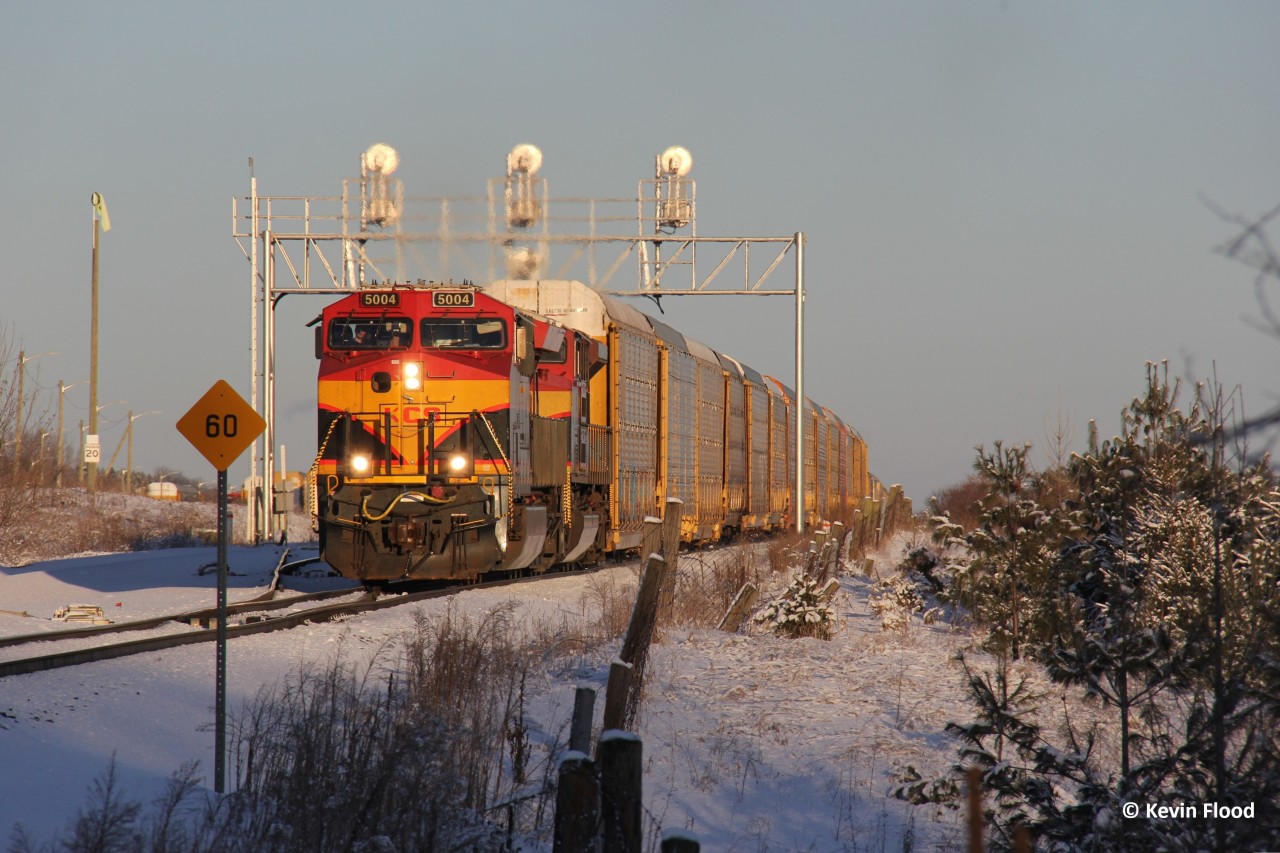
x,y
221,425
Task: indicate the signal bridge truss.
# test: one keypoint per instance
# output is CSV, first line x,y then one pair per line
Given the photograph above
x,y
373,234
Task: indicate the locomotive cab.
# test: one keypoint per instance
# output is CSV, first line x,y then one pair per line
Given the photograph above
x,y
445,451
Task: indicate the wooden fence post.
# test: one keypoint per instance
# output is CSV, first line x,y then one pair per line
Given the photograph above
x,y
680,841
671,516
742,604
674,511
616,694
829,591
1021,839
635,645
584,705
651,537
619,756
837,537
640,628
577,805
974,776
827,559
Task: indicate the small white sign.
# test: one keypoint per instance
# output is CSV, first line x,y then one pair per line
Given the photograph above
x,y
92,450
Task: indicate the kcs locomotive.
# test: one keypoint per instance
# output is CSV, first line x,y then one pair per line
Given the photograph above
x,y
464,430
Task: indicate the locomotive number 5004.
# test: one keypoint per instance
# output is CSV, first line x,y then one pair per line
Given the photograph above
x,y
453,299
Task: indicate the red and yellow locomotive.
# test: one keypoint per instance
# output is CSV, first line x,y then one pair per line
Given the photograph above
x,y
452,434
464,430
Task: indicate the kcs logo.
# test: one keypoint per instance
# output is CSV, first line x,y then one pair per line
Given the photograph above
x,y
408,415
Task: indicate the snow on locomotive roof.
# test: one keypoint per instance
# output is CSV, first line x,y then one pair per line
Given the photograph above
x,y
585,310
569,302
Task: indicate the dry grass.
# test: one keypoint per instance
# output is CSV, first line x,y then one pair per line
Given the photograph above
x,y
708,581
60,522
785,551
424,747
413,747
612,602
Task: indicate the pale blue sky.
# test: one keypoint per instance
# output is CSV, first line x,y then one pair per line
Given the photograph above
x,y
1003,200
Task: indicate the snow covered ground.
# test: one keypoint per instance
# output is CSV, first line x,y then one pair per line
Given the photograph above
x,y
753,742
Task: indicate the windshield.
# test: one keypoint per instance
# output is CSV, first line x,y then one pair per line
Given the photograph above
x,y
370,332
464,333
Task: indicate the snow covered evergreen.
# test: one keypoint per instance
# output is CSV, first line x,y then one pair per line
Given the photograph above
x,y
1154,588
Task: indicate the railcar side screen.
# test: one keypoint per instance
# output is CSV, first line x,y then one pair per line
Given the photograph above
x,y
464,333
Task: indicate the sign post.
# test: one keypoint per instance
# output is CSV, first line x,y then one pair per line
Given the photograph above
x,y
221,425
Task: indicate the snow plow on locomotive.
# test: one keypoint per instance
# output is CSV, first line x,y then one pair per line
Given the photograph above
x,y
531,423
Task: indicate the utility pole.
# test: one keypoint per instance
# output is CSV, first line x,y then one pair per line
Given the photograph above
x,y
17,429
57,470
63,388
128,467
40,458
23,358
129,462
100,221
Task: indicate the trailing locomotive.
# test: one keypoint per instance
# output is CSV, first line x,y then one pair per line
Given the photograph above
x,y
464,430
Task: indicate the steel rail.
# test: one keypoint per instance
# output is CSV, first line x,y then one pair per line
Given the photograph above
x,y
190,616
264,601
325,613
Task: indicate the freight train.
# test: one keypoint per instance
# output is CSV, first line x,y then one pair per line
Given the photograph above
x,y
510,428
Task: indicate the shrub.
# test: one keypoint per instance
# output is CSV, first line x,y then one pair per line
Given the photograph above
x,y
961,502
894,600
801,611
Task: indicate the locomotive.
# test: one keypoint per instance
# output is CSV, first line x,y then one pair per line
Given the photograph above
x,y
465,430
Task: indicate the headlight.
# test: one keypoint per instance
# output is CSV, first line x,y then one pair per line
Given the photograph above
x,y
360,464
458,463
412,375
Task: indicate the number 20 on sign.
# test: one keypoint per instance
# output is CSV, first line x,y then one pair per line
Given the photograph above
x,y
221,425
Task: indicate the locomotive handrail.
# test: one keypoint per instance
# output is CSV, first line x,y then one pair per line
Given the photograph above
x,y
510,474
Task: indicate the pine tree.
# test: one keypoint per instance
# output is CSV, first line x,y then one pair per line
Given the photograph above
x,y
1161,600
1175,575
1005,580
1024,774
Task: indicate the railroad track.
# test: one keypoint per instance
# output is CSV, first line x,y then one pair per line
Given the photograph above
x,y
268,600
206,619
